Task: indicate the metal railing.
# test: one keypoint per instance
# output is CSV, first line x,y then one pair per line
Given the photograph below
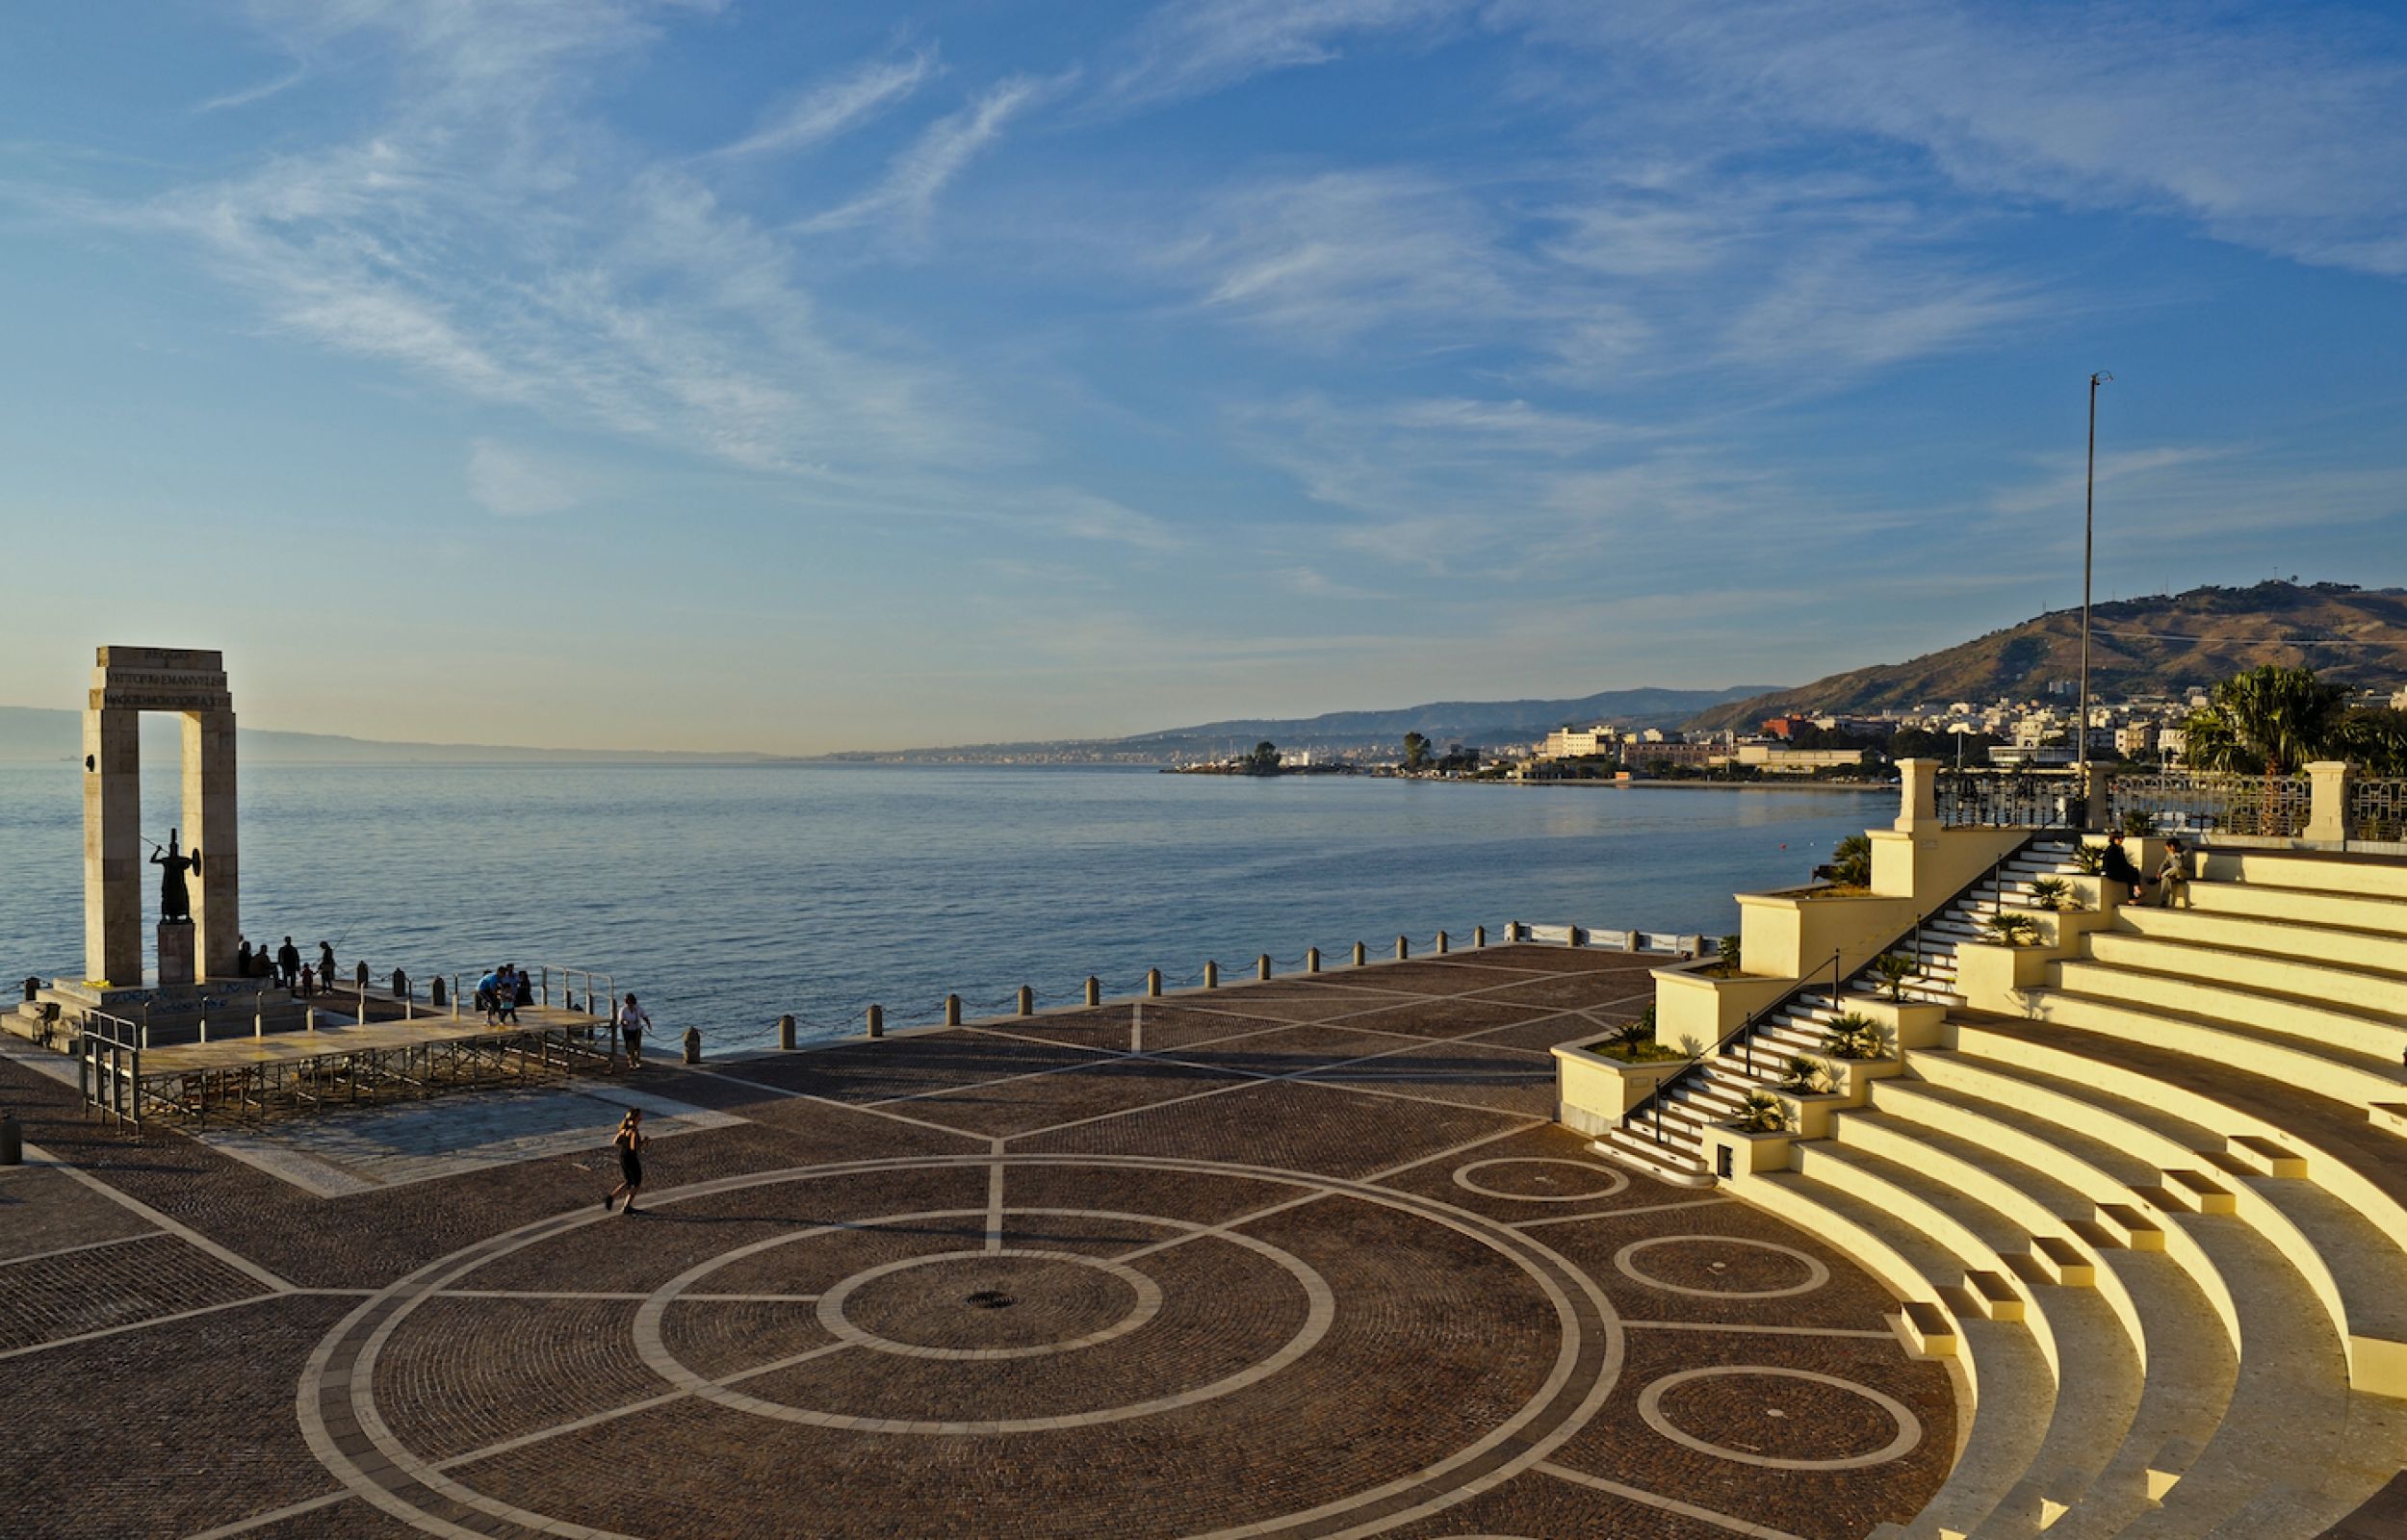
x,y
2210,801
2010,799
1652,1104
2377,809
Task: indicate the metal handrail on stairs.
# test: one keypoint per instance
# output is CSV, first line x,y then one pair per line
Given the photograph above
x,y
1652,1104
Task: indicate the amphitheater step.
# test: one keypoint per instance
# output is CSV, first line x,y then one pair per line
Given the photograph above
x,y
2343,945
2310,873
2198,1192
1927,1329
2267,1157
2346,989
1992,1297
2061,1262
2130,1228
2316,1064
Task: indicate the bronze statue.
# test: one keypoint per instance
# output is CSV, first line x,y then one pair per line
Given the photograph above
x,y
175,902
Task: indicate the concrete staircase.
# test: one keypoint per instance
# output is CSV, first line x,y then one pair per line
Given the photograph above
x,y
1668,1142
2161,1220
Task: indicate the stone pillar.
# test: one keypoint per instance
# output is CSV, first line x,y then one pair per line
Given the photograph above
x,y
1261,966
952,1010
1154,982
1361,954
786,1032
176,952
1211,975
1094,991
1027,1001
1441,943
877,1021
1479,935
1918,784
209,808
1311,960
112,848
2327,806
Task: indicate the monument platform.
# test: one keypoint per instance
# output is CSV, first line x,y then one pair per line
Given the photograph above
x,y
260,1075
1315,1262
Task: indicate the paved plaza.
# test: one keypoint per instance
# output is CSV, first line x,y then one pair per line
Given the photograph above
x,y
1315,1262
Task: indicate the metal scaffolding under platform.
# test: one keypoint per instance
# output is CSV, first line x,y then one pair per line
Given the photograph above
x,y
253,1079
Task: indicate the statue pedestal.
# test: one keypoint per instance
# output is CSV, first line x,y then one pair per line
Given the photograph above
x,y
176,952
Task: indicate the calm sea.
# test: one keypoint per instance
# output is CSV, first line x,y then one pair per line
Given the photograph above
x,y
726,896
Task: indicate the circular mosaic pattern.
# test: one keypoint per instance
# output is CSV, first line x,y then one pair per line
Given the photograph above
x,y
1727,1277
1531,1179
1906,1437
943,1324
990,1304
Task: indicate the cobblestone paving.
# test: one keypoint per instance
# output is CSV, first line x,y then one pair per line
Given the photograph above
x,y
1314,1263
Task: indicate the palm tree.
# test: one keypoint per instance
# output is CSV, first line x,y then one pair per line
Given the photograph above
x,y
2269,718
2287,716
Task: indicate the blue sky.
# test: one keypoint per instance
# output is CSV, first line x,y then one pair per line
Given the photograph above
x,y
737,374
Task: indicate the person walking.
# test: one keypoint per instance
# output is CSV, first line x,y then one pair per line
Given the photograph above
x,y
632,1020
629,1141
2173,876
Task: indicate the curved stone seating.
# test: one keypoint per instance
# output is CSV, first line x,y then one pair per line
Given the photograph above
x,y
2172,1198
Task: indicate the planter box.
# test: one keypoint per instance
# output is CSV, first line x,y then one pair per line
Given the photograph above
x,y
1733,1155
1593,1090
1692,1011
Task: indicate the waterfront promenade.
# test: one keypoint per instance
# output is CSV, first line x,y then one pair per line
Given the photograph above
x,y
1315,1262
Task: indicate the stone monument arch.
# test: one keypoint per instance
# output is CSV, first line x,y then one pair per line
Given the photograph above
x,y
125,682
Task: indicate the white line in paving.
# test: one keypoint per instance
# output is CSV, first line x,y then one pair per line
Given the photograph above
x,y
138,1325
88,1245
1655,1500
995,1207
1612,1214
1907,1439
180,1230
1883,1334
1464,1149
260,1521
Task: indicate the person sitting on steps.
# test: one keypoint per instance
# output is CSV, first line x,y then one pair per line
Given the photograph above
x,y
2119,868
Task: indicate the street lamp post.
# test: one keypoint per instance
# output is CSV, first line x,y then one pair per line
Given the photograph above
x,y
2088,541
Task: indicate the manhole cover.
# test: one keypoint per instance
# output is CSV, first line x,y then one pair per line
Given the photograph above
x,y
989,1300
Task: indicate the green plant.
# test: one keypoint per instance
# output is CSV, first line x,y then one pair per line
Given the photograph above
x,y
1728,949
2138,822
1850,863
1806,1076
2052,893
2089,859
1630,1036
2011,929
1895,970
1763,1114
1855,1036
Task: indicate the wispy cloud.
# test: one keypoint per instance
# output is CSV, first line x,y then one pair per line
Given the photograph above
x,y
485,235
831,109
2284,129
1187,49
905,201
253,94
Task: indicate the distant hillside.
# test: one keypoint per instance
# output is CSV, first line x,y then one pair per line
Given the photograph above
x,y
35,732
1484,723
2138,647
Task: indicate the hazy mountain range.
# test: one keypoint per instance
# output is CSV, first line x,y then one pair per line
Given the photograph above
x,y
2152,646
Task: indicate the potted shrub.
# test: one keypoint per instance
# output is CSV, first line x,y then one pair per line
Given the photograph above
x,y
2053,893
1805,1077
1855,1037
2009,928
1895,970
1762,1114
